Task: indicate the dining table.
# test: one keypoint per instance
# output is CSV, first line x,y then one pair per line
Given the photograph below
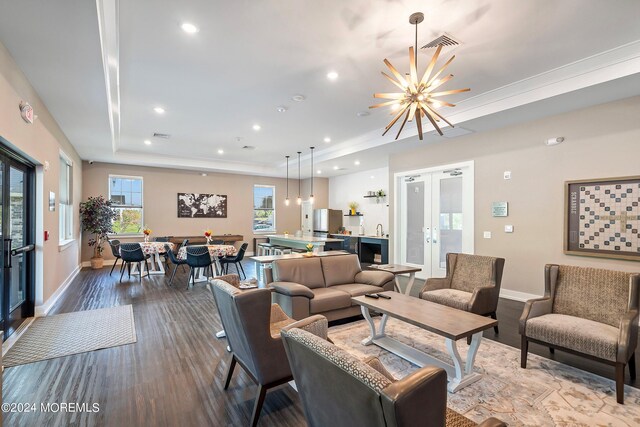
x,y
154,250
216,252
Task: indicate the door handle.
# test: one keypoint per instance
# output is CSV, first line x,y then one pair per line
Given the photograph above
x,y
6,250
428,237
435,235
22,249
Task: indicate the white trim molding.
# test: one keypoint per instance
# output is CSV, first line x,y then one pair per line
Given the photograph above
x,y
43,310
517,295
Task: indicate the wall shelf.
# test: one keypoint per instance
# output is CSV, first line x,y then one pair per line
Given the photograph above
x,y
354,215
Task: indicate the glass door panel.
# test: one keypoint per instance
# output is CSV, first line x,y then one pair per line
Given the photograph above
x,y
17,225
447,234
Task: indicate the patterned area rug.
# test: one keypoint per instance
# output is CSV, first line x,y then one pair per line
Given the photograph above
x,y
547,393
71,333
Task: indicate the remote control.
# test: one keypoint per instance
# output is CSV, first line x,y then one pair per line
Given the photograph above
x,y
384,296
374,296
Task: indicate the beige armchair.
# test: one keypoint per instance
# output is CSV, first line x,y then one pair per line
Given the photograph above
x,y
252,325
339,390
586,311
472,284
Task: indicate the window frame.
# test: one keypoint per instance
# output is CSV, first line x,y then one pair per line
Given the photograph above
x,y
274,209
141,207
66,233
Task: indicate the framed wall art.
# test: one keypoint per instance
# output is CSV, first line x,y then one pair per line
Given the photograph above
x,y
195,205
602,218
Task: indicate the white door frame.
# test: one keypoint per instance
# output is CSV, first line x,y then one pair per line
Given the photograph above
x,y
399,221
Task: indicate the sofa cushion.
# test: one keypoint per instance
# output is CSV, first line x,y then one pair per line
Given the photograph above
x,y
306,271
575,333
449,297
592,293
327,299
357,289
340,269
472,271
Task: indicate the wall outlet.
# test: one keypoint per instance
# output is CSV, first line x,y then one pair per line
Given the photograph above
x,y
507,174
487,234
508,228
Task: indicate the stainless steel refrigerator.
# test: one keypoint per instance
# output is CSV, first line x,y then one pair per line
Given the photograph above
x,y
326,221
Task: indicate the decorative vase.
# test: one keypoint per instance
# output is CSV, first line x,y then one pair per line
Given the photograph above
x,y
208,240
97,263
353,211
146,238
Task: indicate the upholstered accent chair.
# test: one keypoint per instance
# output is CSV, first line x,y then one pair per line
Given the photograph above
x,y
339,390
472,284
252,326
586,311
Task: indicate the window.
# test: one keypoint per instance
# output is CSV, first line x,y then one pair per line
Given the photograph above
x,y
125,193
264,212
66,199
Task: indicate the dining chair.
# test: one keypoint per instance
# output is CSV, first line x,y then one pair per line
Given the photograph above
x,y
130,253
236,260
217,242
115,250
174,260
198,257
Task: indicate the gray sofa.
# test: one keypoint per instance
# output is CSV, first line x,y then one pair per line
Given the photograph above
x,y
324,285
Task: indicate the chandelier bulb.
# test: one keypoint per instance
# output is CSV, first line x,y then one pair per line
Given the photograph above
x,y
286,201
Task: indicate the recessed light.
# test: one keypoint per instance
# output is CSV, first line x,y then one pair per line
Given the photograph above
x,y
327,140
362,113
221,151
158,110
298,97
281,109
332,75
372,177
335,168
147,142
256,127
357,163
189,28
318,171
203,174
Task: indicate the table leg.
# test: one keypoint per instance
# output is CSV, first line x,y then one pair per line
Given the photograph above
x,y
135,269
396,283
462,377
412,278
157,264
372,326
471,354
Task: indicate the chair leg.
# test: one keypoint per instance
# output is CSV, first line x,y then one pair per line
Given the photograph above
x,y
113,266
242,269
121,272
232,365
524,349
257,407
620,383
140,271
146,264
495,328
469,340
129,269
173,274
632,366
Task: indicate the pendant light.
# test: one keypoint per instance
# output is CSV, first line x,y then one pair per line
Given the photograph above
x,y
286,201
299,198
311,197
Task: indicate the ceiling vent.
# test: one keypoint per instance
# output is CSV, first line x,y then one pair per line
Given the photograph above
x,y
248,147
161,135
455,132
443,40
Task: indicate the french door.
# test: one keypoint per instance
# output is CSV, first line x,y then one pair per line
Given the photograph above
x,y
17,235
434,216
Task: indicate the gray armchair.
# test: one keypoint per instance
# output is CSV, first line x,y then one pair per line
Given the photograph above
x,y
252,325
339,390
586,311
472,284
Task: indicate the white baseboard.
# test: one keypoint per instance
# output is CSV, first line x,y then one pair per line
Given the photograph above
x,y
517,295
42,310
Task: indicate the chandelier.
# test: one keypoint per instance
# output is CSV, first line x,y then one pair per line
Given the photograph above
x,y
417,99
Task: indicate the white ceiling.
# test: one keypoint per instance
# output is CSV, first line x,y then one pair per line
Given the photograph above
x,y
250,57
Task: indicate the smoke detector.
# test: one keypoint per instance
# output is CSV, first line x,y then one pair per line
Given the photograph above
x,y
554,141
161,135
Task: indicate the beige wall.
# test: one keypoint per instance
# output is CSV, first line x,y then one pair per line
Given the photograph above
x,y
161,187
40,141
601,141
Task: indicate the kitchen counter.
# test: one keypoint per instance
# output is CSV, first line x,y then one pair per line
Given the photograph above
x,y
361,236
300,242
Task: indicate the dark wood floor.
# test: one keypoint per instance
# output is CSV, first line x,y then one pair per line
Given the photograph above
x,y
174,374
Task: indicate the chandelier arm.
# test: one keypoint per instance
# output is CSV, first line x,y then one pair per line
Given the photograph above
x,y
428,110
395,72
402,126
395,119
433,122
432,64
448,92
435,76
384,104
443,103
419,124
437,85
413,74
402,88
387,95
412,112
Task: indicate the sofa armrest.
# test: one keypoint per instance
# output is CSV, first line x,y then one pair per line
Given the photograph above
x,y
374,278
534,308
435,283
484,300
291,289
417,397
628,336
277,314
316,325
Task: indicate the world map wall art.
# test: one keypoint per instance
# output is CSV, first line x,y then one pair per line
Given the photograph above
x,y
195,205
603,218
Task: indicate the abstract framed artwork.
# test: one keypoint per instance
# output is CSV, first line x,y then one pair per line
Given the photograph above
x,y
200,205
602,218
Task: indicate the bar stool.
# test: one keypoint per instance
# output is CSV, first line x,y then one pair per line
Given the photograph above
x,y
265,249
281,250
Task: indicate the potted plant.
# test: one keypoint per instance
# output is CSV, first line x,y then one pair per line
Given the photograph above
x,y
353,206
309,248
147,232
96,217
380,194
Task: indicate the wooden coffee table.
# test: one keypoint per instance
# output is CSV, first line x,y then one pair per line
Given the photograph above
x,y
450,323
396,269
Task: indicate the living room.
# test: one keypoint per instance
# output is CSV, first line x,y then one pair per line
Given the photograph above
x,y
213,138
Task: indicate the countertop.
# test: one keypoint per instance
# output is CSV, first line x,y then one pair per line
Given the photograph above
x,y
309,239
361,236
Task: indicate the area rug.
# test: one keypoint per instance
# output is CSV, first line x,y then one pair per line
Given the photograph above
x,y
72,333
547,393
